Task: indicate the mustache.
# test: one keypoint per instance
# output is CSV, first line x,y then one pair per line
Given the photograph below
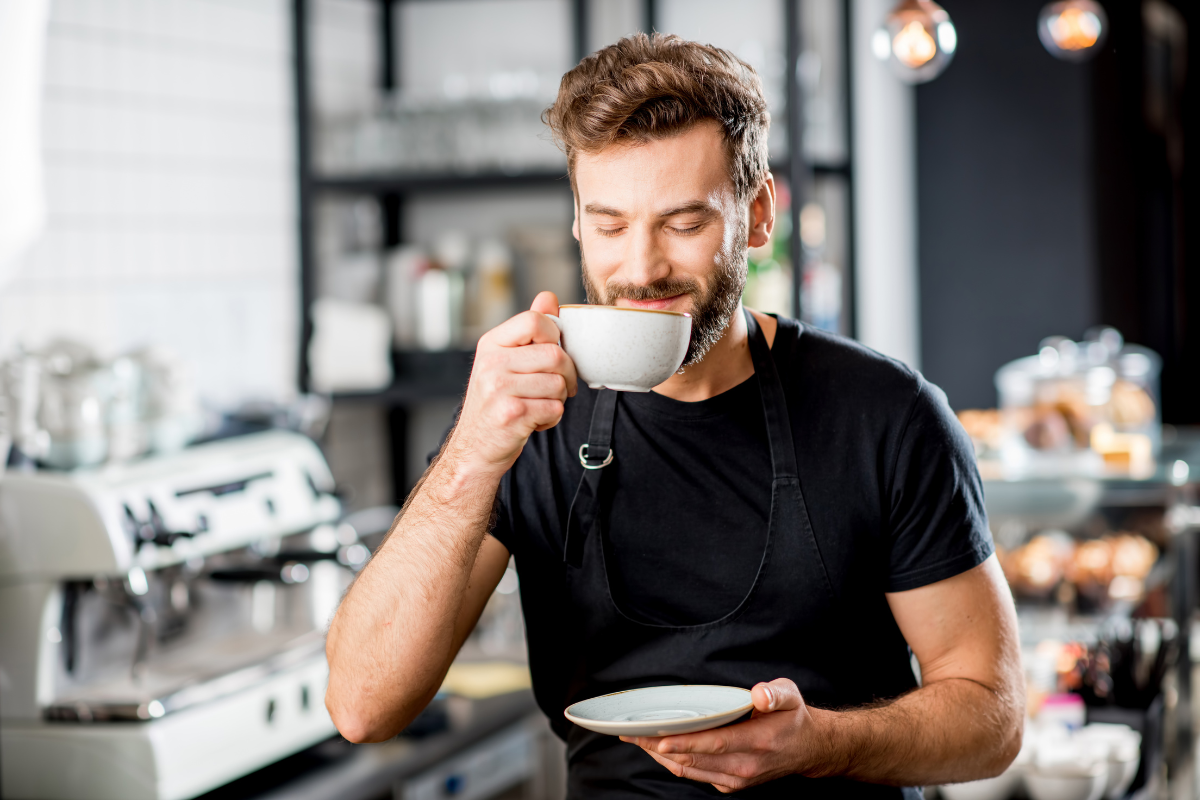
x,y
658,290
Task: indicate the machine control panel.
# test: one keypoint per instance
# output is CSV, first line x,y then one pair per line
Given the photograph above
x,y
164,510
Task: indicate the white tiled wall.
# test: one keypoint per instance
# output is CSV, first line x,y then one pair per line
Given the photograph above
x,y
169,149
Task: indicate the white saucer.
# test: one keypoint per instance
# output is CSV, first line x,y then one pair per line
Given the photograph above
x,y
661,710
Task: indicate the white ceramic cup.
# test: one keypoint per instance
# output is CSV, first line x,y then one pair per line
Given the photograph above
x,y
625,349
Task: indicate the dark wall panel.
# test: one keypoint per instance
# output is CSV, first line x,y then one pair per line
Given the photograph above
x,y
1006,239
1147,123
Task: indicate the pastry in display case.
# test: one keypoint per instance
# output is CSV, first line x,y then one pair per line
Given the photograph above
x,y
985,426
1090,572
1089,405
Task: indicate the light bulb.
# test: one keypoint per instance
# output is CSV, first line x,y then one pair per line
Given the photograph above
x,y
913,46
917,40
1073,30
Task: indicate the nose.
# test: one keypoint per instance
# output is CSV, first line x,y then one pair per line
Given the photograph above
x,y
645,258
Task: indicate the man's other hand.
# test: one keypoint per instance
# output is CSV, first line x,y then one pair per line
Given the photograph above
x,y
962,724
777,740
519,382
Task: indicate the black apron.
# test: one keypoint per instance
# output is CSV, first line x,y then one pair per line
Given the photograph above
x,y
779,630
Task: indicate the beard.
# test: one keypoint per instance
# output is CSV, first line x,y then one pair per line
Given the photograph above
x,y
712,307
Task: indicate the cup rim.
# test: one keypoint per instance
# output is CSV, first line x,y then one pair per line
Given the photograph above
x,y
627,308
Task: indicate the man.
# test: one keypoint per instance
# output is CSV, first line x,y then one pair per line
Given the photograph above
x,y
791,511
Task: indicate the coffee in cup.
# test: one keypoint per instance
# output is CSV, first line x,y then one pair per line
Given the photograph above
x,y
624,349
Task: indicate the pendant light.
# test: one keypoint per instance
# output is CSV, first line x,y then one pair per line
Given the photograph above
x,y
1073,30
917,40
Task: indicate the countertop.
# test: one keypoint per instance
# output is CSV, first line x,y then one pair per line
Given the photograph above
x,y
336,768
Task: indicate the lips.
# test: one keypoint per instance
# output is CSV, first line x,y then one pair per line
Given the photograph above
x,y
660,304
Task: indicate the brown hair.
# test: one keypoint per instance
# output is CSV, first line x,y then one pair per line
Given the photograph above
x,y
645,88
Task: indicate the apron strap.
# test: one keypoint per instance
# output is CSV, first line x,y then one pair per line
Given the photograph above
x,y
775,409
595,454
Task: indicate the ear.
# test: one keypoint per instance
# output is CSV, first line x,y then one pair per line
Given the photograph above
x,y
762,213
575,223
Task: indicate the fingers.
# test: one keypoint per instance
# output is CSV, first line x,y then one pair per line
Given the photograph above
x,y
545,303
721,780
519,383
549,358
780,694
543,414
713,742
725,765
528,327
533,386
523,413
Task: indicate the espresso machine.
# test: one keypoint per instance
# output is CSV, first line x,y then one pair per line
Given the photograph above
x,y
162,620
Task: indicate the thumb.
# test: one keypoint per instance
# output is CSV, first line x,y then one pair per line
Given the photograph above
x,y
545,303
780,694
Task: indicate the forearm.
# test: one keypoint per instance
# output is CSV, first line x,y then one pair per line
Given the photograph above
x,y
394,635
949,731
402,621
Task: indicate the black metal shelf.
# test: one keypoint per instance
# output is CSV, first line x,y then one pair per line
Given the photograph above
x,y
831,169
420,375
375,183
403,393
432,183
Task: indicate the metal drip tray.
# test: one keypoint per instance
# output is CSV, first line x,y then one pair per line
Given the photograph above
x,y
187,676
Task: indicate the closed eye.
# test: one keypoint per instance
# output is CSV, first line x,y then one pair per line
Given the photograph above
x,y
609,231
687,231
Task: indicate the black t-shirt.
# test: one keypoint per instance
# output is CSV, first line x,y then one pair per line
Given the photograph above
x,y
690,480
888,475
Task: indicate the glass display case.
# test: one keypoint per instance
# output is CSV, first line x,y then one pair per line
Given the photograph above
x,y
1103,567
1086,406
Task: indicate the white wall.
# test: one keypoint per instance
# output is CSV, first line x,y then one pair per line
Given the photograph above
x,y
22,203
885,197
168,145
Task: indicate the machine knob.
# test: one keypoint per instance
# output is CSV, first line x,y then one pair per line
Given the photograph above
x,y
162,535
153,530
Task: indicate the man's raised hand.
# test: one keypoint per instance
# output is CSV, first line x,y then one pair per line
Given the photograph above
x,y
519,382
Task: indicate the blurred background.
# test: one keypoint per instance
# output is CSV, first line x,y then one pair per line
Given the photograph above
x,y
247,247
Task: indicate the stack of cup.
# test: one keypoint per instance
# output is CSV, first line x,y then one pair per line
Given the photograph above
x,y
1060,762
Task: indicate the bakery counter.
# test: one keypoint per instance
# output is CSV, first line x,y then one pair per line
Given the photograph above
x,y
1103,560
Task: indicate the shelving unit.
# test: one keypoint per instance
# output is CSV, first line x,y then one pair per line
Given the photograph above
x,y
424,376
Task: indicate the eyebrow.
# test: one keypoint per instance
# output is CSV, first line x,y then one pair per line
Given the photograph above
x,y
692,207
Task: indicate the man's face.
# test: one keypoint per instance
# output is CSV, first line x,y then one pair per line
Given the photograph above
x,y
659,227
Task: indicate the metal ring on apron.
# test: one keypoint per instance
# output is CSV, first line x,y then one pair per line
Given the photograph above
x,y
583,458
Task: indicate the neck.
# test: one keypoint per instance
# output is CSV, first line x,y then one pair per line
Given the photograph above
x,y
726,365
